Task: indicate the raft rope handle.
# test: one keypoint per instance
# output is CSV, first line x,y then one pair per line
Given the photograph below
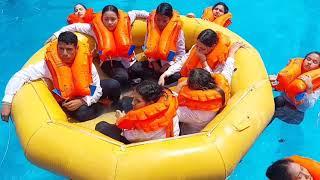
x,y
249,90
318,120
8,143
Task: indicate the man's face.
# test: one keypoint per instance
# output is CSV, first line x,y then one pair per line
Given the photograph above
x,y
67,52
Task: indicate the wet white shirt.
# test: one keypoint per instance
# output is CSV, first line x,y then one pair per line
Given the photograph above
x,y
139,135
309,100
195,120
87,29
40,70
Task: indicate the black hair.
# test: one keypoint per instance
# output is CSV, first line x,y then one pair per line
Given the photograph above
x,y
208,37
110,8
313,52
226,9
279,170
165,9
150,90
200,79
74,8
68,38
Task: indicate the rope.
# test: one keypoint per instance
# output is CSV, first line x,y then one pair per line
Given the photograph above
x,y
8,143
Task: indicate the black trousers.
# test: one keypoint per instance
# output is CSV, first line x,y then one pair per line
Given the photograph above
x,y
116,70
112,131
110,90
141,69
287,112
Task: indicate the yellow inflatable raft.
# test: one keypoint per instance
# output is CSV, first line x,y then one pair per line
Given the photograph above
x,y
53,141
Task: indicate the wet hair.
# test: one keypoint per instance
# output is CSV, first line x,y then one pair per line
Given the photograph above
x,y
226,9
208,37
200,79
279,170
68,38
165,9
313,52
74,8
150,90
110,8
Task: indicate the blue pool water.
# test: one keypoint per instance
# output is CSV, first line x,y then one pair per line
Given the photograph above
x,y
278,29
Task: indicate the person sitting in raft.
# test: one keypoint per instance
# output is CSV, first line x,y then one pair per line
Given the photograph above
x,y
219,14
209,53
80,14
164,44
112,31
299,83
153,116
75,94
294,168
202,95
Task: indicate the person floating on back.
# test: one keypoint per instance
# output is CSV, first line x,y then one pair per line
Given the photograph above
x,y
294,168
299,83
80,14
218,14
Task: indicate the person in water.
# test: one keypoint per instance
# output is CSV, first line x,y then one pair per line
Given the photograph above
x,y
80,102
153,116
292,110
80,14
218,13
294,168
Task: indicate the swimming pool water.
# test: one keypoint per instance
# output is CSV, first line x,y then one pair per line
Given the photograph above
x,y
279,30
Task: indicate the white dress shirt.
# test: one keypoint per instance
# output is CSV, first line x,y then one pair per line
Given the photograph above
x,y
40,70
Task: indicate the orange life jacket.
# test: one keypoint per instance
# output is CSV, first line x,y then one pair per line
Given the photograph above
x,y
218,55
289,80
162,45
87,18
312,166
206,100
71,81
153,117
288,74
117,43
224,20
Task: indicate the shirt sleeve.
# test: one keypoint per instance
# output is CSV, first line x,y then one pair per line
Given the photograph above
x,y
137,14
98,91
178,64
76,27
31,73
228,69
181,46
